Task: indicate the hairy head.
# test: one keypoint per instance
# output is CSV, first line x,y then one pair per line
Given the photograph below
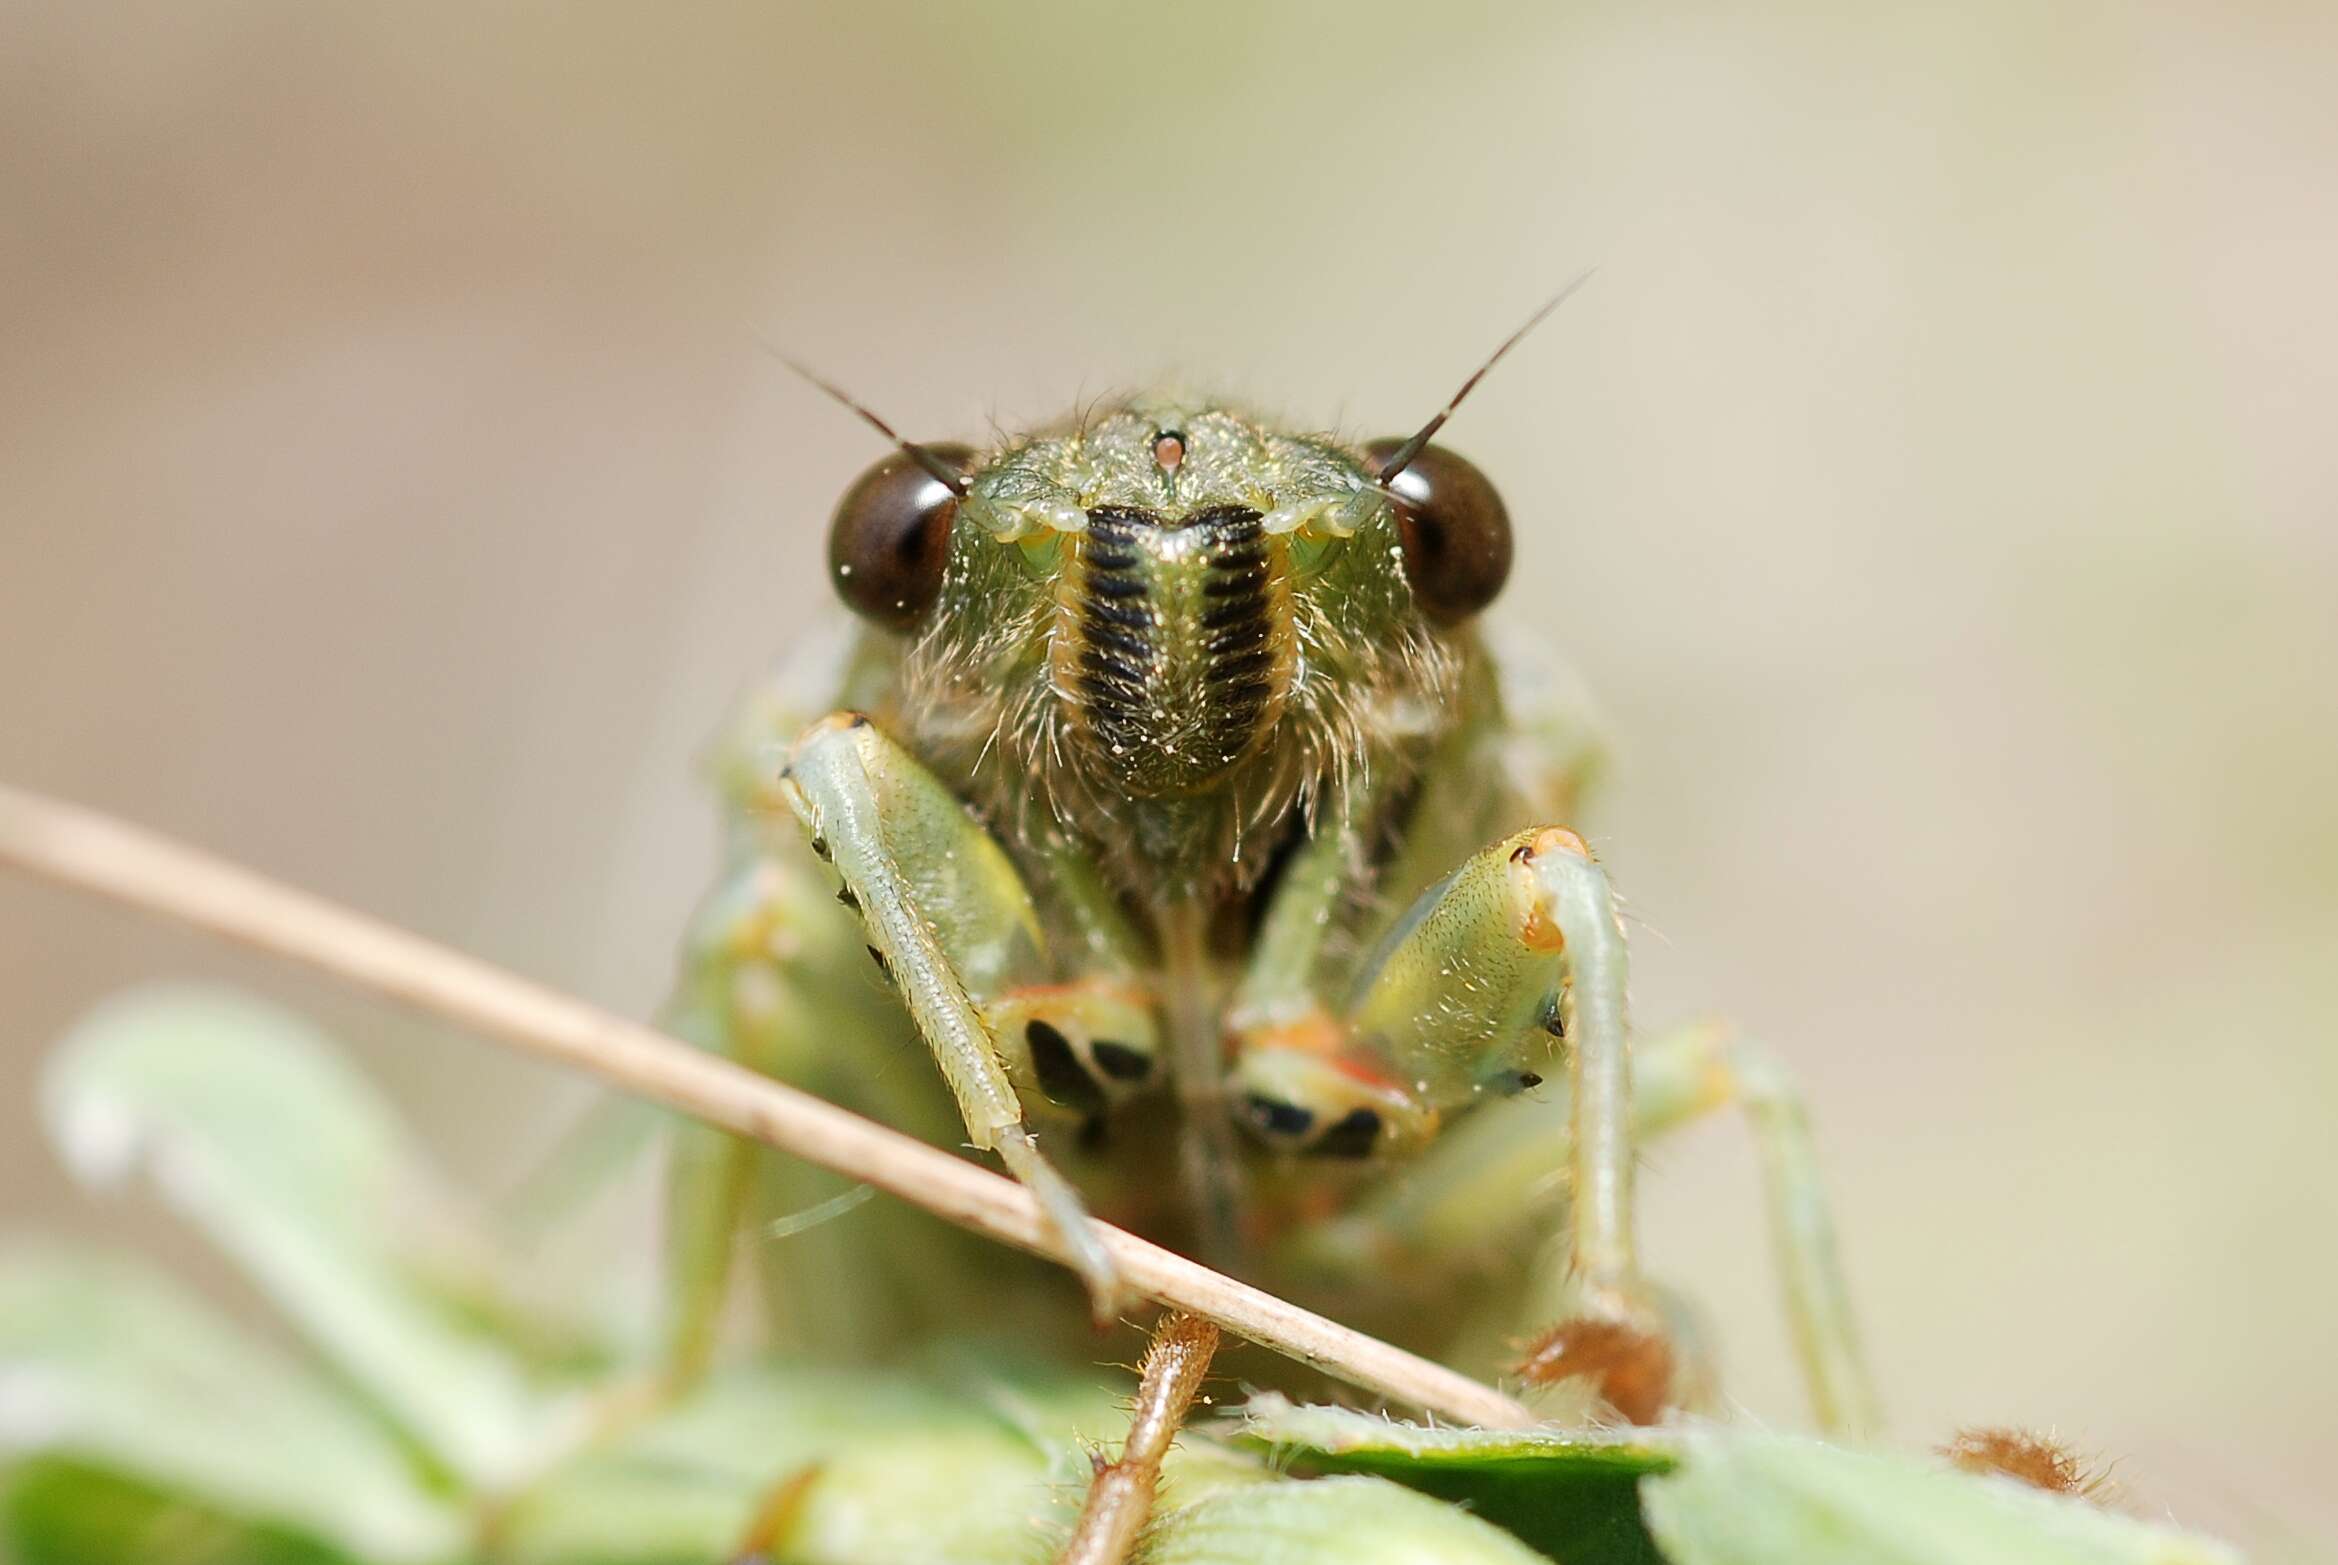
x,y
1169,623
1173,603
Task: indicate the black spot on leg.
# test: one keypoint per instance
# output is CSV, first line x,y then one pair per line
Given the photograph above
x,y
820,849
1276,1117
1509,1084
878,957
1060,1075
1119,1061
1553,1021
845,896
1353,1135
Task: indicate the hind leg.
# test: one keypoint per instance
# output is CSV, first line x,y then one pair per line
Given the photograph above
x,y
774,976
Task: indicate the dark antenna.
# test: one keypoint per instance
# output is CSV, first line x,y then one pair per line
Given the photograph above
x,y
942,471
1403,458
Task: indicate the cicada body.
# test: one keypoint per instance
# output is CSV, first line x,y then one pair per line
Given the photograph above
x,y
1172,790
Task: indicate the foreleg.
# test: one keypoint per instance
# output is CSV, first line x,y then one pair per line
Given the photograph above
x,y
950,922
1732,1072
1491,1177
1462,1001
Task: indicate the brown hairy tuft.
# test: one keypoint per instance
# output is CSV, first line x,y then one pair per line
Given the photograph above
x,y
2033,1459
1631,1368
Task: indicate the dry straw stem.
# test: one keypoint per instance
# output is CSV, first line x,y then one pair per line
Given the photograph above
x,y
92,852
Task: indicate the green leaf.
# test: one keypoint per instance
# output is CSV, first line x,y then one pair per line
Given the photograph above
x,y
253,1127
1742,1498
904,1473
111,1369
1572,1493
960,1467
56,1513
1330,1521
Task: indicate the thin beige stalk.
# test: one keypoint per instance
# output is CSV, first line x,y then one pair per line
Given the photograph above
x,y
92,852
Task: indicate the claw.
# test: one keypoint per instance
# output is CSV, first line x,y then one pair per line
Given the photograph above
x,y
1632,1368
2033,1459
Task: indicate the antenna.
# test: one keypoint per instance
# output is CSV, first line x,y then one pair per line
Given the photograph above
x,y
1404,455
942,471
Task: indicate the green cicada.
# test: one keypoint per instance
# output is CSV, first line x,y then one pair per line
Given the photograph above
x,y
1177,796
1175,789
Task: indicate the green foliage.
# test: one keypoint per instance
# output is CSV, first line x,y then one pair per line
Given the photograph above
x,y
1572,1494
1719,1495
1355,1521
136,1424
1750,1499
898,1467
256,1129
59,1513
106,1365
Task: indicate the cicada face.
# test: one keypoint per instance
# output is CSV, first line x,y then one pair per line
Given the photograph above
x,y
1170,606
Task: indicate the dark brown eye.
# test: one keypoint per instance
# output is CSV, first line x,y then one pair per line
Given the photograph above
x,y
1455,530
891,537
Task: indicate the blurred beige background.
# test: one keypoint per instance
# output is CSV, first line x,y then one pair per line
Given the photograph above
x,y
1937,483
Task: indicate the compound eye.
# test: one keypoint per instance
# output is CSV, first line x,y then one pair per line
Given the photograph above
x,y
1454,528
891,537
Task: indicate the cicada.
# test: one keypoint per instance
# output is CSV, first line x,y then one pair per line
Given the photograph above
x,y
1178,793
1175,822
